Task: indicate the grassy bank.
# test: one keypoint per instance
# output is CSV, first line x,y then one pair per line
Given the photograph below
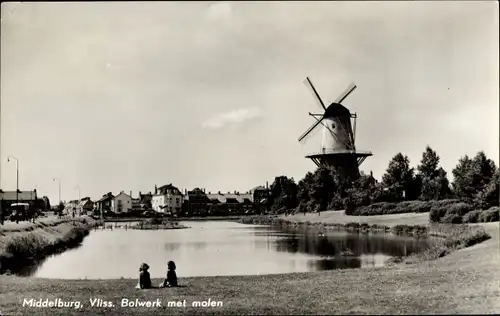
x,y
26,243
455,284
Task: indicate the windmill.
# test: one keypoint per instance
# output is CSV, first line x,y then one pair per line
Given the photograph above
x,y
338,148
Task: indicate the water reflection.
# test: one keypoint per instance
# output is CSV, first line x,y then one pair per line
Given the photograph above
x,y
332,264
222,248
338,242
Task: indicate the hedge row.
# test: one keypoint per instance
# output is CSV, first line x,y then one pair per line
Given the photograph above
x,y
464,214
383,208
443,211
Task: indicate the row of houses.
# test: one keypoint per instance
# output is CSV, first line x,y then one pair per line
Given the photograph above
x,y
165,199
169,199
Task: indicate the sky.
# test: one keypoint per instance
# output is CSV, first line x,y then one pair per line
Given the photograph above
x,y
125,96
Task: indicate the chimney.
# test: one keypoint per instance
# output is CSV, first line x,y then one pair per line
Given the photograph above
x,y
209,192
185,191
267,185
156,189
371,173
219,192
130,193
140,194
234,191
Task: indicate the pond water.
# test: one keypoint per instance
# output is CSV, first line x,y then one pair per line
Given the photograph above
x,y
210,248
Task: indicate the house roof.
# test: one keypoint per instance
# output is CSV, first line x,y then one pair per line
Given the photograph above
x,y
223,198
21,196
106,197
122,193
85,202
168,189
258,188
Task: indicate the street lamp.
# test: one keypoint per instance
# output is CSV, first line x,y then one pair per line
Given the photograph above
x,y
59,180
78,205
17,176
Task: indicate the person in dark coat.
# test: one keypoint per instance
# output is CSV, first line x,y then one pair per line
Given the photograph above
x,y
171,280
144,278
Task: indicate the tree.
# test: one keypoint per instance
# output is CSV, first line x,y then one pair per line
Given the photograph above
x,y
398,177
322,189
481,172
472,176
492,191
303,189
46,203
434,184
460,172
283,194
429,163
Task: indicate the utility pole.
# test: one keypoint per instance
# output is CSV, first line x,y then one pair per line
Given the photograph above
x,y
78,205
17,179
59,181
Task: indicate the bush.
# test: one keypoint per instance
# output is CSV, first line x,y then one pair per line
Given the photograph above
x,y
450,218
383,208
490,215
471,217
451,209
459,209
436,214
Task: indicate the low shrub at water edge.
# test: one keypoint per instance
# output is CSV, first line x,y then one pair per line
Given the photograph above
x,y
454,237
408,230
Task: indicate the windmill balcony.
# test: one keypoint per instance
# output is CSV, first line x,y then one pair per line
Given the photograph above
x,y
339,151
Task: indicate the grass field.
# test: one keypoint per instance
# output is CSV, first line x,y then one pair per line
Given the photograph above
x,y
340,218
41,222
465,281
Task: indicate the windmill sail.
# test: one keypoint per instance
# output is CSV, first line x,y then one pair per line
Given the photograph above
x,y
346,93
310,129
309,84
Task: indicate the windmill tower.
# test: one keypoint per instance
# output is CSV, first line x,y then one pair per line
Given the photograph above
x,y
338,148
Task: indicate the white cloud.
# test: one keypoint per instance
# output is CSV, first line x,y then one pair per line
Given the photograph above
x,y
219,10
234,117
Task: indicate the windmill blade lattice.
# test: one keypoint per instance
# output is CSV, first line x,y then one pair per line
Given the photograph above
x,y
310,129
346,93
309,84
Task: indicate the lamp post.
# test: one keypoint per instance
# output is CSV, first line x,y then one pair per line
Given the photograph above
x,y
78,205
17,176
59,181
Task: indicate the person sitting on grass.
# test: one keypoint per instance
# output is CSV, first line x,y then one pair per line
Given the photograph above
x,y
171,280
144,278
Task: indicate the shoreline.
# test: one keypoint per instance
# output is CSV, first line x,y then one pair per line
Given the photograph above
x,y
177,219
451,237
27,243
457,283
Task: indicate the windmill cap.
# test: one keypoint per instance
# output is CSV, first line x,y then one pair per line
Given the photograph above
x,y
336,110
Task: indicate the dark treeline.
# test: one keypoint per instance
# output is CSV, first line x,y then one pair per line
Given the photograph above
x,y
476,182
